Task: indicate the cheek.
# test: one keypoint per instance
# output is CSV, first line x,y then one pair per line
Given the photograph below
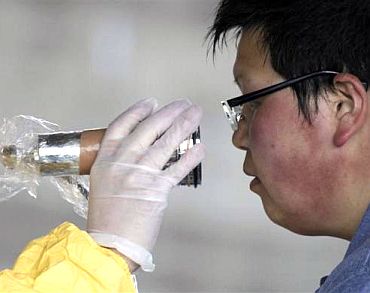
x,y
295,173
269,138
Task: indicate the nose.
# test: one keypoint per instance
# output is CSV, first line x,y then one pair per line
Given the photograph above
x,y
241,135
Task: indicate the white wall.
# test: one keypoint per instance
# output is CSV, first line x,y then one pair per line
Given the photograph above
x,y
80,63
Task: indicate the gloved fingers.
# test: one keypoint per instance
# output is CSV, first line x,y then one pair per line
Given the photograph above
x,y
128,120
149,130
188,162
159,154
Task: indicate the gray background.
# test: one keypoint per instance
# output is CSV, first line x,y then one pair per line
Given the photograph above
x,y
81,63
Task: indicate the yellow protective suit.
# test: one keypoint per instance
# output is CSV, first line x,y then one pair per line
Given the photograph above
x,y
67,260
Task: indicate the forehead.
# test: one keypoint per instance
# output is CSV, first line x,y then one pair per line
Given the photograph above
x,y
253,60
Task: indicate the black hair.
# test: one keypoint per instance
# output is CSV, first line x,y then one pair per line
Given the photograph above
x,y
302,37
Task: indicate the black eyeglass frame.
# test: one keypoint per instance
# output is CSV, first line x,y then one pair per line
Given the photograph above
x,y
230,104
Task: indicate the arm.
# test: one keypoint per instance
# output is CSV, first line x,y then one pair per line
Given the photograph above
x,y
67,260
128,196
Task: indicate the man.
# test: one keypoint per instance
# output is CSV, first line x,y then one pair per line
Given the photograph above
x,y
307,139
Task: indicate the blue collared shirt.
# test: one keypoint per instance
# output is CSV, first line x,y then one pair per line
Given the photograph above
x,y
353,273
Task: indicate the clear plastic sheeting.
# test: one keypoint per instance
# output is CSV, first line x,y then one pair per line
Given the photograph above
x,y
18,172
75,190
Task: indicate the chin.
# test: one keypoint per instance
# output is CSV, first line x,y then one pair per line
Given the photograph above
x,y
293,224
299,228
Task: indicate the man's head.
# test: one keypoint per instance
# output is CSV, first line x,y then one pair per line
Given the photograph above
x,y
306,144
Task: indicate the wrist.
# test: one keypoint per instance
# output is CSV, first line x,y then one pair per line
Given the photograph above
x,y
136,254
132,266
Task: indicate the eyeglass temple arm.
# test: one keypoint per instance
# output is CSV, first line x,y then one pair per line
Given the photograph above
x,y
265,91
262,92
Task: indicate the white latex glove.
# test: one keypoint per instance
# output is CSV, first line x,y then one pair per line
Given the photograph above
x,y
129,189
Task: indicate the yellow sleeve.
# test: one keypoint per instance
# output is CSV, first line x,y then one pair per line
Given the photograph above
x,y
67,260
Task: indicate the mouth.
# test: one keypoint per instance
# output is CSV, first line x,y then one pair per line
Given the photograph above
x,y
255,180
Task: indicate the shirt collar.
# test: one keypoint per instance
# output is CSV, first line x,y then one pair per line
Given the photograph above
x,y
362,233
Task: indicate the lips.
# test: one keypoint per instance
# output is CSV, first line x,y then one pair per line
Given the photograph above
x,y
255,180
249,173
249,170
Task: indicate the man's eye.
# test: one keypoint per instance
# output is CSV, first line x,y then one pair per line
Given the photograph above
x,y
250,107
254,104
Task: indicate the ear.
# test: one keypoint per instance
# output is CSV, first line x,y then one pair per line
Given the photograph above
x,y
351,107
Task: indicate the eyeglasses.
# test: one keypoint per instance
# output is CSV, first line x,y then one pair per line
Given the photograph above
x,y
233,107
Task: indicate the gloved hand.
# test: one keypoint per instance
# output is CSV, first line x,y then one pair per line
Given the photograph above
x,y
129,189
